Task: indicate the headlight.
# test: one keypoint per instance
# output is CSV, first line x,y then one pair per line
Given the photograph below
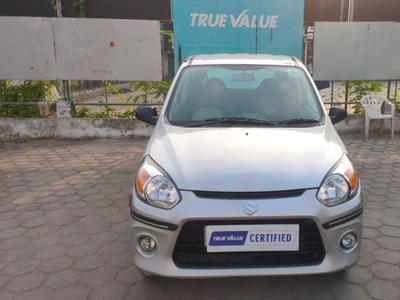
x,y
154,187
340,184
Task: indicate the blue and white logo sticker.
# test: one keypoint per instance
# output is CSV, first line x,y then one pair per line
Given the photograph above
x,y
240,26
274,237
228,238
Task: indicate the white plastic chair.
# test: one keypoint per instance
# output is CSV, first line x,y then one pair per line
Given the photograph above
x,y
373,106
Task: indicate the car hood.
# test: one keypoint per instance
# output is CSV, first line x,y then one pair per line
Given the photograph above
x,y
245,159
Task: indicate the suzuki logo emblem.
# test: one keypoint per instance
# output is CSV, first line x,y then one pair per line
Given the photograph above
x,y
249,208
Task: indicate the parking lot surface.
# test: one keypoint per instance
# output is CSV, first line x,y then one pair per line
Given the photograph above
x,y
64,219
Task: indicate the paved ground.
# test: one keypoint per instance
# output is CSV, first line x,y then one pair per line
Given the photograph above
x,y
64,228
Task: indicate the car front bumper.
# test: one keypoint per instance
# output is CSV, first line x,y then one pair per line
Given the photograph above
x,y
165,226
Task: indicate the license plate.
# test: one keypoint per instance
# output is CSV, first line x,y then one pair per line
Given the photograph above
x,y
240,238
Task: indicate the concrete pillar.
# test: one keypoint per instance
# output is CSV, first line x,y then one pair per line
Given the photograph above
x,y
64,109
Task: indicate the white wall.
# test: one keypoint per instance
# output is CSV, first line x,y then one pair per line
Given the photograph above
x,y
74,128
71,128
356,51
82,49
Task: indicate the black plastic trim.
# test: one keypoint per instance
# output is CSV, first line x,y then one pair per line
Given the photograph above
x,y
342,220
191,252
249,195
152,222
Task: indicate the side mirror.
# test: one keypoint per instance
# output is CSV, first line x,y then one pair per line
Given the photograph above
x,y
147,114
337,114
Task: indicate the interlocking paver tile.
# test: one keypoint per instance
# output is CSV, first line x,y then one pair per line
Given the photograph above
x,y
148,289
49,252
56,264
31,214
390,231
352,291
9,224
104,238
81,212
5,207
112,290
41,293
358,275
14,243
74,239
64,220
63,279
370,233
386,271
39,232
99,276
71,198
89,220
114,248
94,198
25,282
89,263
184,289
76,205
129,275
76,292
18,254
373,223
52,206
388,256
386,242
383,289
29,207
96,228
70,229
5,295
389,220
22,267
369,245
82,250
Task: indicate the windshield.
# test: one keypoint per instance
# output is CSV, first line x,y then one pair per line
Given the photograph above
x,y
246,95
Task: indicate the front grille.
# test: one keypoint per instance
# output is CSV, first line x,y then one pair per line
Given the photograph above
x,y
249,195
190,251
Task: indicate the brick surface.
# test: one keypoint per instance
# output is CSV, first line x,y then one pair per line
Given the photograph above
x,y
25,282
64,221
22,267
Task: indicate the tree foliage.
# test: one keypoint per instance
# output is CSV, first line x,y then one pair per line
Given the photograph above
x,y
359,88
27,91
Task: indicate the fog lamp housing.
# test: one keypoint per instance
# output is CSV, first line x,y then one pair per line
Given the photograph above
x,y
348,241
147,243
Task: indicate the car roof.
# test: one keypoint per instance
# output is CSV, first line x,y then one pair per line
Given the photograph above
x,y
243,58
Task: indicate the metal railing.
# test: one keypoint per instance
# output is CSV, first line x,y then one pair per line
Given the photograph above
x,y
97,98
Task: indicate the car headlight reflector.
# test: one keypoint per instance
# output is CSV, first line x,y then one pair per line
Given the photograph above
x,y
334,189
339,185
161,192
154,187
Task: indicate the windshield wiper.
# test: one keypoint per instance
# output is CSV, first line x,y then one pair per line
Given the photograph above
x,y
299,121
232,120
241,120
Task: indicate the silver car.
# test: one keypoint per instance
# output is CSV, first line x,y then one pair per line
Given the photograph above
x,y
244,175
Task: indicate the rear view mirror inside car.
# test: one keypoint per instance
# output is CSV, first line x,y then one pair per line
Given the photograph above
x,y
243,77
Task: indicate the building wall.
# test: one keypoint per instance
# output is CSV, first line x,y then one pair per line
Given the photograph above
x,y
364,10
315,10
113,9
75,128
